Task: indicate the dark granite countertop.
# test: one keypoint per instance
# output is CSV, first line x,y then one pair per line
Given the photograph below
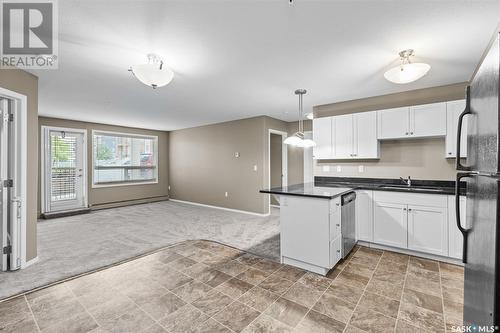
x,y
388,184
330,187
309,190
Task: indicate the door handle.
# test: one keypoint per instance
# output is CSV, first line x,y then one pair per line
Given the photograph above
x,y
463,230
465,112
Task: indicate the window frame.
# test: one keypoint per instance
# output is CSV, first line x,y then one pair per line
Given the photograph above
x,y
128,135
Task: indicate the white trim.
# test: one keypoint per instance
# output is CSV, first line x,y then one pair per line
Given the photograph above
x,y
30,262
411,252
221,208
275,206
22,110
284,161
44,147
129,135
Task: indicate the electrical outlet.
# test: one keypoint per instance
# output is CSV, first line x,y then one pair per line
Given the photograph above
x,y
255,168
237,154
361,168
326,168
169,187
339,168
225,194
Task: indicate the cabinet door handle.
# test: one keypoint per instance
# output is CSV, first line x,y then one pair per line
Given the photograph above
x,y
449,153
338,225
406,133
411,133
409,209
404,209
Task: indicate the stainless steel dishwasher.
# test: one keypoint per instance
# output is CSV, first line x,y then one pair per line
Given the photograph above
x,y
348,219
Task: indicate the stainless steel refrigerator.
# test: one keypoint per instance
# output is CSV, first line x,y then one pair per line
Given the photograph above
x,y
481,171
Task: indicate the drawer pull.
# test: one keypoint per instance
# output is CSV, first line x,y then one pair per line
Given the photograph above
x,y
338,225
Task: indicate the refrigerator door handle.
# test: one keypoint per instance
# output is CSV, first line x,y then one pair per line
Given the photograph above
x,y
467,111
463,230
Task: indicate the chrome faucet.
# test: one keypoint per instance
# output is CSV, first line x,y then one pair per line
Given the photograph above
x,y
406,181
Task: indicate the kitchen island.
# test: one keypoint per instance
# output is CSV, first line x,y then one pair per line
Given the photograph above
x,y
311,225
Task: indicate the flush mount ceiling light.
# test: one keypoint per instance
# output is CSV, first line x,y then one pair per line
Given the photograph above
x,y
407,71
310,115
298,138
154,73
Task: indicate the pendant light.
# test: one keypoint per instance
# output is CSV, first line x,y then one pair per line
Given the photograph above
x,y
407,71
297,139
154,73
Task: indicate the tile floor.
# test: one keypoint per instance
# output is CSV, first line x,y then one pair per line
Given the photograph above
x,y
203,286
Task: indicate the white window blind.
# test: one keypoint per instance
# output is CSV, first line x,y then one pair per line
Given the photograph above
x,y
123,158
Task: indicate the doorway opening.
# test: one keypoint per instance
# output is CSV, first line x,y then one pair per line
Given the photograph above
x,y
64,170
13,157
278,163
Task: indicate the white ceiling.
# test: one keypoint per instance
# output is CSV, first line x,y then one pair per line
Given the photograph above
x,y
237,59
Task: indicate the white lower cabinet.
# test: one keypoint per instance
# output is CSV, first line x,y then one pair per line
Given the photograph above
x,y
428,229
455,237
390,224
364,215
412,221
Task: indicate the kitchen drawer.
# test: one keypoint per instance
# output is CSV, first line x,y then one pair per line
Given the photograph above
x,y
335,251
335,218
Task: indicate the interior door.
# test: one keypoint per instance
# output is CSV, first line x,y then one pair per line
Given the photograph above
x,y
65,181
4,199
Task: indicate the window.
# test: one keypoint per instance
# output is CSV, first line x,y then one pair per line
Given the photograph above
x,y
124,158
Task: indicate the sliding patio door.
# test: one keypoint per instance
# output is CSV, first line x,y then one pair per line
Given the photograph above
x,y
64,171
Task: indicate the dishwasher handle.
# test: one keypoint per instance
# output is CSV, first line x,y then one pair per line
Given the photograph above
x,y
348,198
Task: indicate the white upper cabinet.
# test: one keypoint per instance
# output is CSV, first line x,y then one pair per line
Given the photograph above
x,y
365,144
393,123
322,135
427,120
343,138
355,136
453,111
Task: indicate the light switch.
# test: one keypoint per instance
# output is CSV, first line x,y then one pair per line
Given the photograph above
x,y
255,168
225,194
326,168
339,168
361,168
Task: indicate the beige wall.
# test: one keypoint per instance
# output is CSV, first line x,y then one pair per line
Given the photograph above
x,y
27,84
118,195
419,158
406,98
203,165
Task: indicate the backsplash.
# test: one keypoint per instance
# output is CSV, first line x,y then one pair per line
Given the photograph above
x,y
419,158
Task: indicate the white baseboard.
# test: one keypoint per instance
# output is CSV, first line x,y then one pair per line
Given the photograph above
x,y
29,262
221,208
275,206
411,252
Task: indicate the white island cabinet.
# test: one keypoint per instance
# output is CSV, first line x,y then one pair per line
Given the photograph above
x,y
310,232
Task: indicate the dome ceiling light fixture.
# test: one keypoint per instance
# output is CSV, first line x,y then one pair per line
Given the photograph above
x,y
154,74
310,116
407,71
297,139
